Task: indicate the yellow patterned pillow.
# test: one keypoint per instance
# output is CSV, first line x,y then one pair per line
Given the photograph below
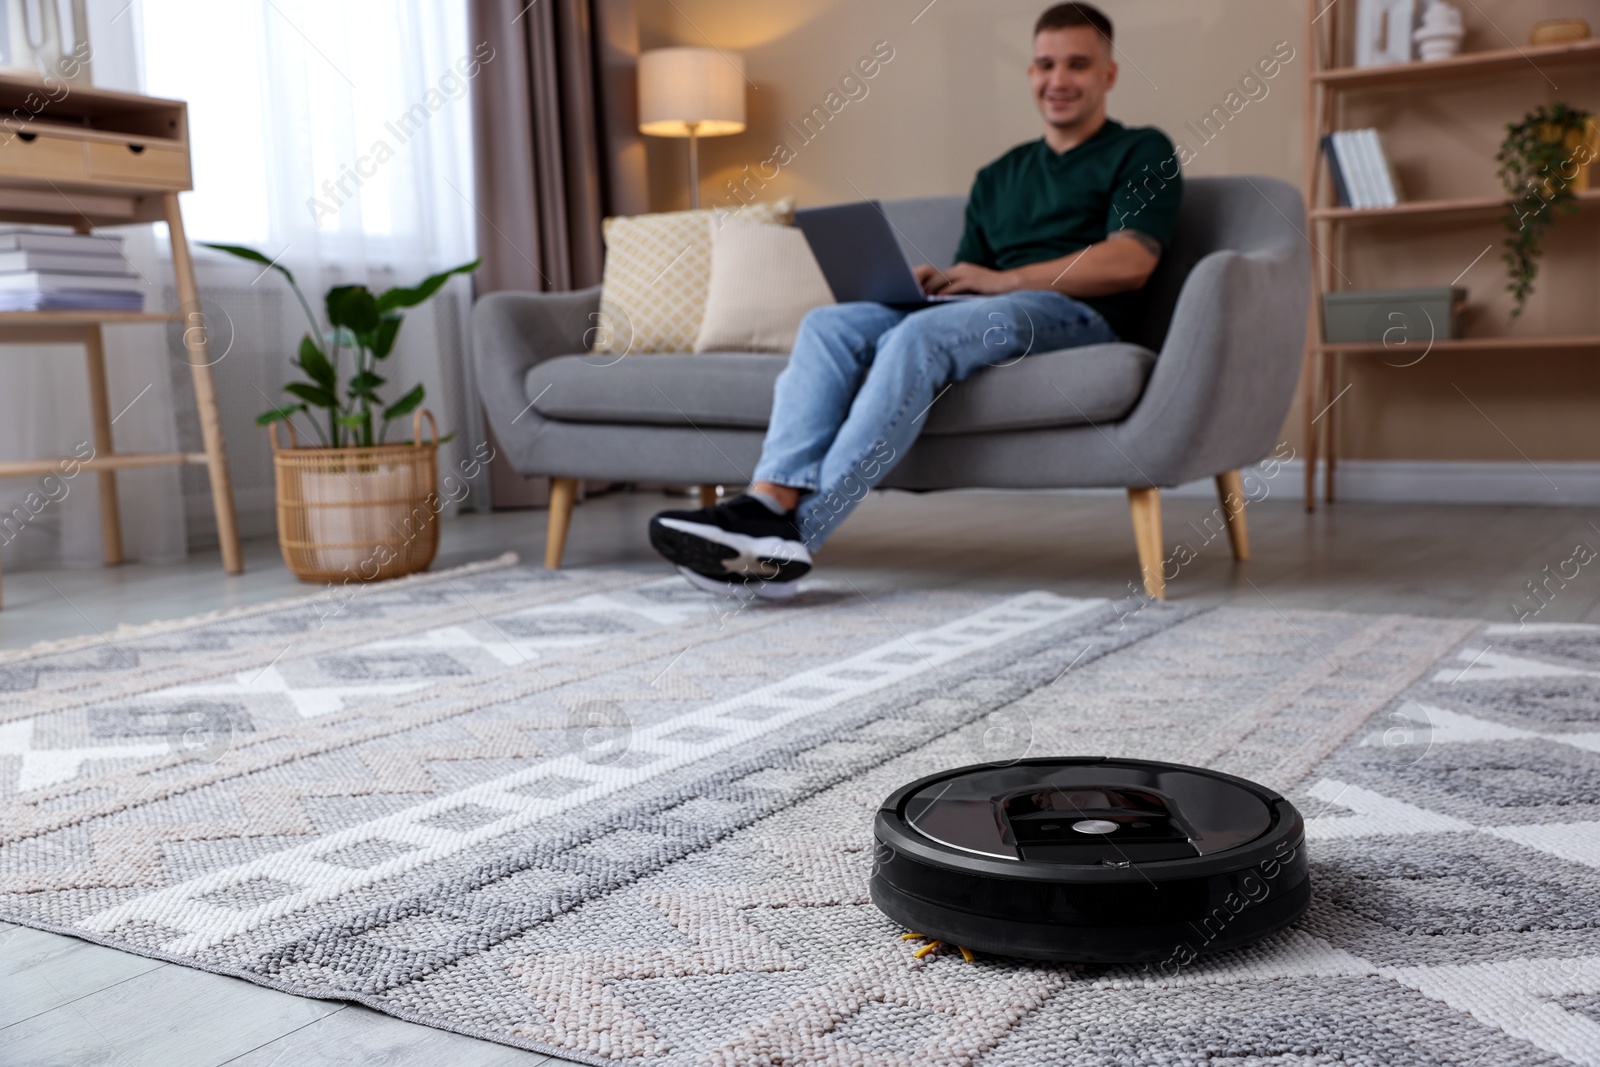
x,y
657,273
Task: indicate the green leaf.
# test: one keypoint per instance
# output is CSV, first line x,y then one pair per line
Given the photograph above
x,y
1535,161
405,405
314,394
315,363
401,297
279,414
383,339
353,306
353,420
366,384
252,255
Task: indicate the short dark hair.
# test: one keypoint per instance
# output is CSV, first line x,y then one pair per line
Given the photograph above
x,y
1066,16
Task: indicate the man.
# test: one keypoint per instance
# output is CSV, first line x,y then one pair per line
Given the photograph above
x,y
1061,235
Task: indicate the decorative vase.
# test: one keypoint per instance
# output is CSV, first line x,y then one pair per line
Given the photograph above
x,y
1441,32
1383,32
1582,149
359,513
34,44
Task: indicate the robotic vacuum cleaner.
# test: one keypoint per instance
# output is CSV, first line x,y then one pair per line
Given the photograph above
x,y
1091,860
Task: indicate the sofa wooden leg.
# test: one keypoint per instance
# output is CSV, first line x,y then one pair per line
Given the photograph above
x,y
1230,488
1145,504
563,494
708,496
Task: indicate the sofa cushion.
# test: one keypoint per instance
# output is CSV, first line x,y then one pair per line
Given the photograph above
x,y
722,389
1071,387
733,390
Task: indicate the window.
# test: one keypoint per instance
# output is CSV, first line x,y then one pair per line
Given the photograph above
x,y
312,123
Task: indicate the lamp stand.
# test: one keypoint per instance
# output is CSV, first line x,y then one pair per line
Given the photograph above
x,y
694,166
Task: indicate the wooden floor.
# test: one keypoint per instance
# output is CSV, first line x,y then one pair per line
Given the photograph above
x,y
64,1001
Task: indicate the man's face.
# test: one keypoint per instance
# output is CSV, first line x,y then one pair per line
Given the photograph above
x,y
1071,72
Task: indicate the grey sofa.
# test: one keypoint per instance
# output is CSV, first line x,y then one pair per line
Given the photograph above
x,y
1200,391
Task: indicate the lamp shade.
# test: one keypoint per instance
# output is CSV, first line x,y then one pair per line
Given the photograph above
x,y
680,86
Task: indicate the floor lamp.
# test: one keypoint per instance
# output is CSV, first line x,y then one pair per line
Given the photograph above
x,y
693,93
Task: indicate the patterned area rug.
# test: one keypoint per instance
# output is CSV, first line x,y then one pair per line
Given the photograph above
x,y
603,816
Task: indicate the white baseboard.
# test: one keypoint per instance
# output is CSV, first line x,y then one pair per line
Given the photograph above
x,y
1441,482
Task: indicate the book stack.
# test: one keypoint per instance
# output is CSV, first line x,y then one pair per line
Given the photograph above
x,y
1362,174
58,271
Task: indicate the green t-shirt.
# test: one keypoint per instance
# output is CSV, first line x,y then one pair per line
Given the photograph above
x,y
1032,205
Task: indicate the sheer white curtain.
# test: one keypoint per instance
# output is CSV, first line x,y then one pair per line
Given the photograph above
x,y
333,136
336,131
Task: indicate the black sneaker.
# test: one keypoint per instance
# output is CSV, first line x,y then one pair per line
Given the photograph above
x,y
740,541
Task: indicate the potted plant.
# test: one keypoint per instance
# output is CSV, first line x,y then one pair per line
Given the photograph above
x,y
353,506
1543,161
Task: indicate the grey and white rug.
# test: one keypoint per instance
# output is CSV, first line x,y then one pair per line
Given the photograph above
x,y
603,816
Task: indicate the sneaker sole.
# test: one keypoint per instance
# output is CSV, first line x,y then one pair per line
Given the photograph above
x,y
754,589
722,555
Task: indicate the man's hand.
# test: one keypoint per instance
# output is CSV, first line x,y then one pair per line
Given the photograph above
x,y
964,278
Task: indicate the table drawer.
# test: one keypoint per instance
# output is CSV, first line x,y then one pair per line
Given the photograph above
x,y
39,156
150,164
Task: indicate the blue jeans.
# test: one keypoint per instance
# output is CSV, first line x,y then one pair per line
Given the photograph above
x,y
863,377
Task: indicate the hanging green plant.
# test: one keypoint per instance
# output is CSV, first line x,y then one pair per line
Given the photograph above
x,y
364,323
1539,160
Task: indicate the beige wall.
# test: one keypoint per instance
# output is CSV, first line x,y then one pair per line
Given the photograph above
x,y
954,96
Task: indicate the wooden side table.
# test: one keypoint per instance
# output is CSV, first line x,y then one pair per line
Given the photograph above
x,y
88,158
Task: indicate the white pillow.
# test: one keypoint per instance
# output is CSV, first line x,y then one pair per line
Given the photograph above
x,y
763,281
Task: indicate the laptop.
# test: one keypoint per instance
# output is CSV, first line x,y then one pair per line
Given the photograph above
x,y
860,259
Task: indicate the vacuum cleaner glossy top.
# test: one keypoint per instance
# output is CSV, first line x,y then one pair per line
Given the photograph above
x,y
1092,859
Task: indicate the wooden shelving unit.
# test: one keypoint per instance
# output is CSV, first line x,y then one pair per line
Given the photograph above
x,y
1530,59
1332,227
1444,210
94,158
1476,344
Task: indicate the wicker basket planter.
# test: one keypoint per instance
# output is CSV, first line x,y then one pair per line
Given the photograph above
x,y
360,514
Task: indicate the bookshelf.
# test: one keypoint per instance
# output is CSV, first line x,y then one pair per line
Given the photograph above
x,y
1577,342
1524,74
87,159
1467,65
1444,209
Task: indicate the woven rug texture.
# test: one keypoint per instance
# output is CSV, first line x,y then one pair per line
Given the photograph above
x,y
603,816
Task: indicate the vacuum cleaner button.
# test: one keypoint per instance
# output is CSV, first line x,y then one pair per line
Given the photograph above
x,y
1094,826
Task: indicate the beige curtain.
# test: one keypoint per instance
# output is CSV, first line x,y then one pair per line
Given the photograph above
x,y
556,149
555,139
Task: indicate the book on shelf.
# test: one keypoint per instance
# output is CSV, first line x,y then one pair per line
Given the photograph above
x,y
1363,176
70,300
1341,186
54,269
52,281
15,240
1388,186
62,262
1354,175
1368,168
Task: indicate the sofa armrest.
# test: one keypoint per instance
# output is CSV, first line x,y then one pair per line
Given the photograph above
x,y
511,332
1222,387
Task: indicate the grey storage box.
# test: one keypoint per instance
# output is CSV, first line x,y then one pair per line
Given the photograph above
x,y
1394,316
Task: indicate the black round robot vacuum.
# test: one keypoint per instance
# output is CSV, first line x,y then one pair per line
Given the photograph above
x,y
1091,860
